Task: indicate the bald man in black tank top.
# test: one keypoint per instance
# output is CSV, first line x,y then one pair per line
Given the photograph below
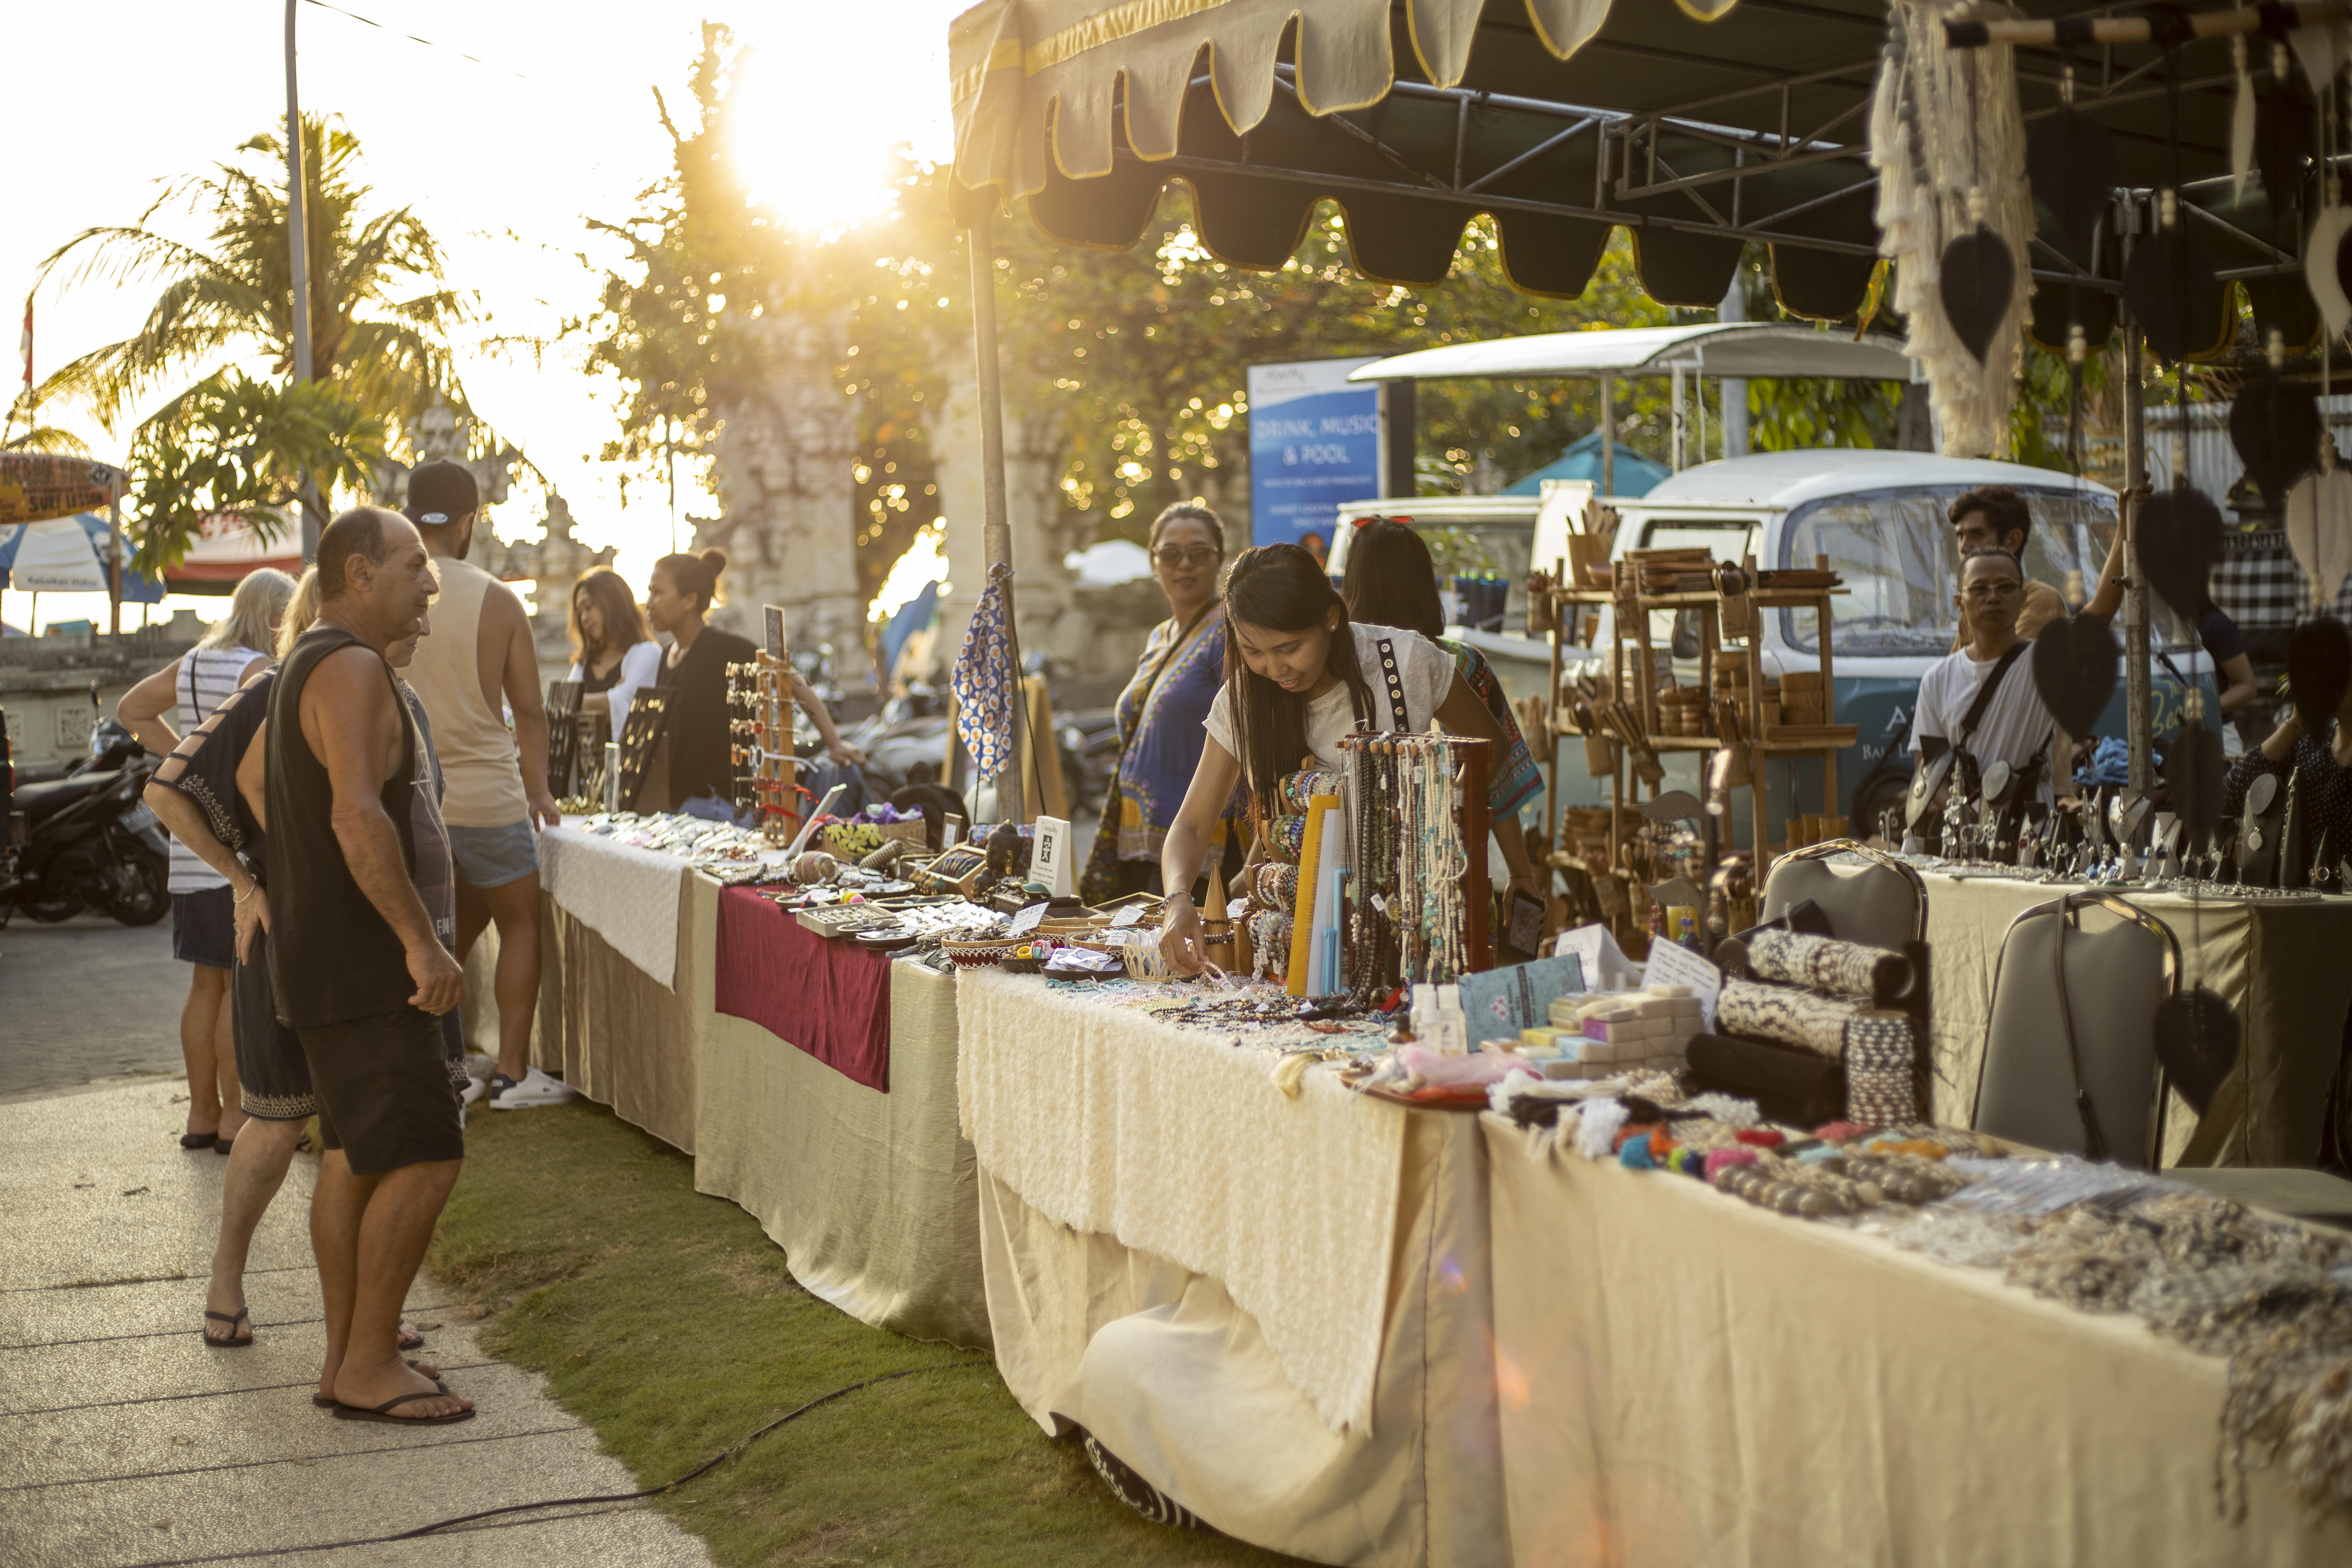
x,y
359,972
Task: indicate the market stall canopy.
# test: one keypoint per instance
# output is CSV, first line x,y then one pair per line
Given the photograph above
x,y
1714,348
38,486
67,556
1561,119
230,546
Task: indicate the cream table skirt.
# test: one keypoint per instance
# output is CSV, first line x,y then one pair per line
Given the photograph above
x,y
1687,1379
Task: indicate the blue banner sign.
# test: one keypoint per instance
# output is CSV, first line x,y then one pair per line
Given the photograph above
x,y
1315,445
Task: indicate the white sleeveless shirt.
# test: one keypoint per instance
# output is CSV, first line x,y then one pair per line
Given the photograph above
x,y
207,676
475,747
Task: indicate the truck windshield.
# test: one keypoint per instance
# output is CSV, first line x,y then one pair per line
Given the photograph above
x,y
1893,548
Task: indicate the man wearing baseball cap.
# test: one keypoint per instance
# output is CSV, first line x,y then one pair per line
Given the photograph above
x,y
481,651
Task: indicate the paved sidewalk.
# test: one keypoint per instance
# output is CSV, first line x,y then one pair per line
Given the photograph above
x,y
124,1440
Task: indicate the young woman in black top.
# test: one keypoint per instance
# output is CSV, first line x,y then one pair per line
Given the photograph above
x,y
694,672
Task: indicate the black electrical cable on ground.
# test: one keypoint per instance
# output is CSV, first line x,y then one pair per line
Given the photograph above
x,y
731,1451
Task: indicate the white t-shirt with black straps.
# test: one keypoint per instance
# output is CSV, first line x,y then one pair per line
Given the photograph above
x,y
1425,671
2015,727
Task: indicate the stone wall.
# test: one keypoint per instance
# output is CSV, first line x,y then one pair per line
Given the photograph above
x,y
45,686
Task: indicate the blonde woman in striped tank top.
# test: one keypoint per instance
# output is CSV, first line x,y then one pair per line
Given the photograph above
x,y
204,920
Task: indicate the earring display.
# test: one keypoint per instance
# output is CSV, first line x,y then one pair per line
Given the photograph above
x,y
759,745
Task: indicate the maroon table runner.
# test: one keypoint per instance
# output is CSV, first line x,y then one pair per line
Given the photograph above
x,y
831,999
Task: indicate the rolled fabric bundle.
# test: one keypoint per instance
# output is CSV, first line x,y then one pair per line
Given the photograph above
x,y
1826,963
1781,1013
1880,1052
1297,789
1787,1083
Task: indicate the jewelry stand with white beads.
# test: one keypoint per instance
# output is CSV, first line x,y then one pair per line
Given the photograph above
x,y
1418,900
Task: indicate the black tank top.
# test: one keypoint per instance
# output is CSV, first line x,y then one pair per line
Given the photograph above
x,y
332,957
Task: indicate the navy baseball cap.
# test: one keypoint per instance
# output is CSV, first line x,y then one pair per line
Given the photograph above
x,y
440,493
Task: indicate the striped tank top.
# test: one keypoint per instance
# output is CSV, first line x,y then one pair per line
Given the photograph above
x,y
207,675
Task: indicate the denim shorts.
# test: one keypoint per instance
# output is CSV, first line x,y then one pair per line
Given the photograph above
x,y
493,857
203,927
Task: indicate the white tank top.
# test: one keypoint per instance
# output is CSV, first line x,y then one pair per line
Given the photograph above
x,y
207,676
477,749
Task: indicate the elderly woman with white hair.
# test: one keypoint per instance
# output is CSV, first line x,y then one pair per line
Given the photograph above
x,y
204,913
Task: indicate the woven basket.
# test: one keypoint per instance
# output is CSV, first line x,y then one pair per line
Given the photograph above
x,y
977,954
1145,962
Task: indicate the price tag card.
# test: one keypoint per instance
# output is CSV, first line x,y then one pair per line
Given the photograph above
x,y
1671,965
1131,915
1026,920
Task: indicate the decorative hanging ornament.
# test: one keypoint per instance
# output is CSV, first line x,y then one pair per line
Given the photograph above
x,y
2318,670
2275,428
2319,50
2319,527
2180,538
2241,120
1977,277
2169,285
2075,670
2197,1042
2324,258
2070,162
2284,130
2193,769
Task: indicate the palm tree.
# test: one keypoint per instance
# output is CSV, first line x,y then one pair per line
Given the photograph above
x,y
381,307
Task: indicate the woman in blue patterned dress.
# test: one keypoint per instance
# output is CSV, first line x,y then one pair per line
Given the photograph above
x,y
1161,714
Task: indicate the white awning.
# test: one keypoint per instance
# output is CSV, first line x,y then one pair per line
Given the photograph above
x,y
1082,66
1720,348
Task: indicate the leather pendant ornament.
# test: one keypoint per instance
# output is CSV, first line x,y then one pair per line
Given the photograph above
x,y
2319,531
2071,164
2179,540
2192,778
2282,139
2075,670
2318,670
2170,288
1979,278
2197,1042
2275,428
2323,244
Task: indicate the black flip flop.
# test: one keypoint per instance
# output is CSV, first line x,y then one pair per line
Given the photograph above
x,y
224,1147
327,1401
198,1139
232,1319
384,1413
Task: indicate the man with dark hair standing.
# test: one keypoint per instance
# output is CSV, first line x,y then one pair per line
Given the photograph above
x,y
479,664
1974,699
357,969
1995,517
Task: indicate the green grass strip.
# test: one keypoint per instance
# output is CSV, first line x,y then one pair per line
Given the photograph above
x,y
667,1321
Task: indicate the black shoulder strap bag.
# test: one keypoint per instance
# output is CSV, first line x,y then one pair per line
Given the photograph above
x,y
1395,682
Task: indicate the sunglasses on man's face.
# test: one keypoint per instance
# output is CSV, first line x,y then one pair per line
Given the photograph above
x,y
2001,588
1172,556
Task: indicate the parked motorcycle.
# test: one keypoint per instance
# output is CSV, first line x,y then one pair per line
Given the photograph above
x,y
86,841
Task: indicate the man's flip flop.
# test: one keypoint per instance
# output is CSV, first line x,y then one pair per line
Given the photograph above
x,y
411,1339
327,1401
384,1413
198,1139
232,1319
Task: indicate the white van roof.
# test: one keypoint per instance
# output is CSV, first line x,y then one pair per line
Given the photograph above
x,y
1780,480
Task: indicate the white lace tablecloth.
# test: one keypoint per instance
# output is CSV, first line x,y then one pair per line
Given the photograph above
x,y
1176,1141
626,895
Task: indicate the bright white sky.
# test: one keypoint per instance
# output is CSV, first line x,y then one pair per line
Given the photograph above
x,y
502,159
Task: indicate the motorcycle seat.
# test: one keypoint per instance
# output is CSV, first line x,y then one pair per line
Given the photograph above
x,y
40,801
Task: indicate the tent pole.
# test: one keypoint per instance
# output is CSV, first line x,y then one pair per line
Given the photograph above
x,y
298,239
114,568
996,528
1678,419
2139,722
1608,435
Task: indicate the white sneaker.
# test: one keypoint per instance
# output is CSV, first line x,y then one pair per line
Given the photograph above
x,y
535,1089
474,1089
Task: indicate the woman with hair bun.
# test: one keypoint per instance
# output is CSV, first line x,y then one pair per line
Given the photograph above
x,y
1299,675
694,672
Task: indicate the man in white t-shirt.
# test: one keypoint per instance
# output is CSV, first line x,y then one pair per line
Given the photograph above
x,y
2014,727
